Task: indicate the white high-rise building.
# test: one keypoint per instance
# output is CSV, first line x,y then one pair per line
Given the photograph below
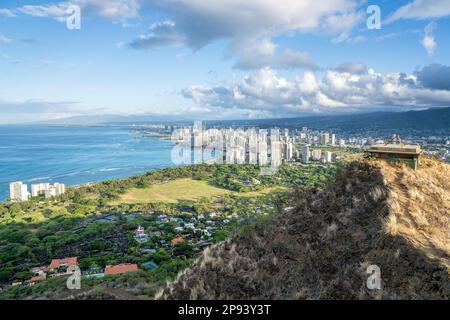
x,y
325,138
39,189
213,150
197,135
60,188
275,156
55,190
47,189
252,150
333,139
18,191
50,192
275,134
305,154
288,151
262,136
316,154
230,154
240,147
182,136
262,153
240,155
328,157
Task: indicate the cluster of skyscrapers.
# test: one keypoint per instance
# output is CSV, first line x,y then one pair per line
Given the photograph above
x,y
18,191
251,146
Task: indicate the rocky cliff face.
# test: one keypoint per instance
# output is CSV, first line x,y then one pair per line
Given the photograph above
x,y
373,214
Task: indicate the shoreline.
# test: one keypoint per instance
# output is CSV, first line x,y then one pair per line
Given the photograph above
x,y
91,183
104,173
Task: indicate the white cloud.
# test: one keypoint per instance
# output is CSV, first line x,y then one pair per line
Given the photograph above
x,y
434,76
57,11
354,68
336,91
428,41
335,24
259,54
429,44
347,38
387,36
422,9
4,39
161,34
111,9
7,13
290,59
340,38
8,59
262,53
116,10
201,22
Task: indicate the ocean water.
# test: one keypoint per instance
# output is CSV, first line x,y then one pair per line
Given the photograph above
x,y
76,154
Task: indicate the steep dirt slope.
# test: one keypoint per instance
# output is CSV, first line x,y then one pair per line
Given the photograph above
x,y
373,214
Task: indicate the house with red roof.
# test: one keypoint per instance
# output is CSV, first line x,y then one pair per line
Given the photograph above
x,y
39,270
121,268
66,262
176,241
31,282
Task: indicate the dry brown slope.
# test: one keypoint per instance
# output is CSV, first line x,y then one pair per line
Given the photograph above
x,y
374,213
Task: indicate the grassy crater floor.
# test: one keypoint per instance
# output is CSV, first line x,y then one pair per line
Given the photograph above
x,y
172,191
182,190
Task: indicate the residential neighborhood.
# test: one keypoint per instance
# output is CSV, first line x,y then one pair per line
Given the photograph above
x,y
180,235
62,267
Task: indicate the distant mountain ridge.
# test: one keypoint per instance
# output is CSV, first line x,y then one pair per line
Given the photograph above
x,y
434,118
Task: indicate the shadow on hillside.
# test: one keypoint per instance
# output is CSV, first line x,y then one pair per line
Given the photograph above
x,y
320,250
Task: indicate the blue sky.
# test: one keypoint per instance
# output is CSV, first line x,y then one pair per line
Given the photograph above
x,y
221,59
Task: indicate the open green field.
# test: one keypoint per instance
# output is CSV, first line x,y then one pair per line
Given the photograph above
x,y
262,191
172,191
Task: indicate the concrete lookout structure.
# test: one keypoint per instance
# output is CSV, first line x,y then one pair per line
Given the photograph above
x,y
397,153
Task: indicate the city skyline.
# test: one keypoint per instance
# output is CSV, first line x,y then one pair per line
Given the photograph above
x,y
185,58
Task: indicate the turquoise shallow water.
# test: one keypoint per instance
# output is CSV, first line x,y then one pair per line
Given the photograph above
x,y
75,155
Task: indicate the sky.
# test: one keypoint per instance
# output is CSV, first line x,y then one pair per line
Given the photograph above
x,y
221,59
